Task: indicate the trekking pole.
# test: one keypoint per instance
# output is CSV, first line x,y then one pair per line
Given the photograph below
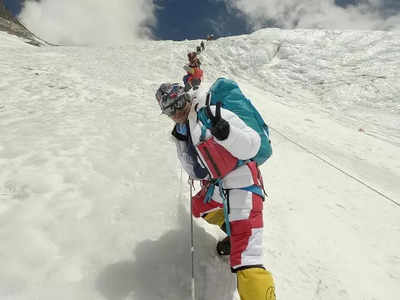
x,y
190,181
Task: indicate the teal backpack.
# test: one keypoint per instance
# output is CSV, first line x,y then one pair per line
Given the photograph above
x,y
228,92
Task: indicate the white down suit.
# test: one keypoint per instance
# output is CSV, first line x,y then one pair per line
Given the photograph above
x,y
245,208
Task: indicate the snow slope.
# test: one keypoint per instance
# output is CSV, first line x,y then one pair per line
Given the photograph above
x,y
93,204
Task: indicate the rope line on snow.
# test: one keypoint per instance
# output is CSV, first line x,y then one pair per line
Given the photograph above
x,y
192,249
337,168
192,240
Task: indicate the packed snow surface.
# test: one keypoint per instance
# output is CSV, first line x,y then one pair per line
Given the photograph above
x,y
94,205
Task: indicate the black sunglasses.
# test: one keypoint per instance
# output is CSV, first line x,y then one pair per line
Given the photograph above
x,y
178,104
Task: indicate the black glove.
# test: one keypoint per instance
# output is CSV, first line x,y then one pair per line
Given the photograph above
x,y
220,127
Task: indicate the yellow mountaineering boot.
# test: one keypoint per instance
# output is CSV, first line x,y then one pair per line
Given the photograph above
x,y
255,284
215,217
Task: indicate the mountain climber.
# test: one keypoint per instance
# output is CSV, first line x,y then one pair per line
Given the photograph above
x,y
194,74
194,60
193,77
233,198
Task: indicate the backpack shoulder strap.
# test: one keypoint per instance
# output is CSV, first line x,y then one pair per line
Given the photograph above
x,y
203,114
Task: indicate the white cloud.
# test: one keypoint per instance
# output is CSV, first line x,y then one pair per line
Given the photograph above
x,y
77,22
367,14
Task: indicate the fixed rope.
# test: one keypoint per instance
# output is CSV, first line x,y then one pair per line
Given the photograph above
x,y
190,181
336,167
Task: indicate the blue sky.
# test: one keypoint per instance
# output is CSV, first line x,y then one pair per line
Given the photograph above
x,y
191,19
187,19
194,19
13,6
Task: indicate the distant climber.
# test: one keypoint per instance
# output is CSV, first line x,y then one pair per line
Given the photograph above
x,y
194,74
202,46
194,60
193,77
